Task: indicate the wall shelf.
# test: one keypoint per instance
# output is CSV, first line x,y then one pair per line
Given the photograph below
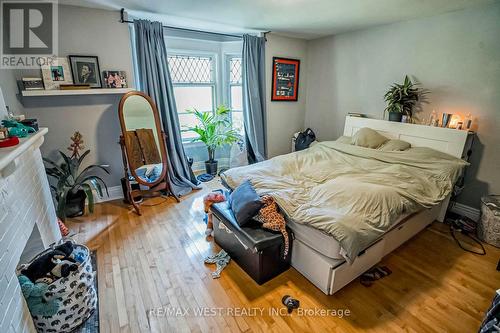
x,y
97,91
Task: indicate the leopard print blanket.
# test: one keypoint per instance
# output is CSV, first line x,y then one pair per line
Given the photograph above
x,y
272,219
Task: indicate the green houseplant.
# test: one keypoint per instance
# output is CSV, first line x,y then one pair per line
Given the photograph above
x,y
73,187
401,99
214,130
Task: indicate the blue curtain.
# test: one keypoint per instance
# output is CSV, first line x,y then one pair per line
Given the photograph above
x,y
254,97
153,78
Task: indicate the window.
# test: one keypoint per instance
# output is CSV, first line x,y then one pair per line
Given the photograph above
x,y
193,78
235,92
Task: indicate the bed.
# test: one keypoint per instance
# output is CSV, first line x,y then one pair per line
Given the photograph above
x,y
349,206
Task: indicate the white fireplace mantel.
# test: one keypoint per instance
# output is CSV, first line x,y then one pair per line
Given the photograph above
x,y
25,201
9,155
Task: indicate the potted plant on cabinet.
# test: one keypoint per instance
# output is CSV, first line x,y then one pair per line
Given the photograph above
x,y
72,187
214,130
401,99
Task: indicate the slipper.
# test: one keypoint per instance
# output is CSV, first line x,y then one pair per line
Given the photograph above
x,y
384,270
374,274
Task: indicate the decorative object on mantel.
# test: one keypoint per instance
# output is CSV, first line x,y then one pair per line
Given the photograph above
x,y
401,99
32,83
17,129
446,119
433,119
74,187
56,73
31,122
86,70
9,142
115,79
285,79
214,131
468,121
4,133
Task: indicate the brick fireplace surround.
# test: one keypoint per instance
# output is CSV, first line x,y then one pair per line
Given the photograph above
x,y
25,200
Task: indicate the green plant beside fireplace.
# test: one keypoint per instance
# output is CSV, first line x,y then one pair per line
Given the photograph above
x,y
73,187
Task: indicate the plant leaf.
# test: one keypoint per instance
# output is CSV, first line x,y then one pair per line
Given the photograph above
x,y
90,196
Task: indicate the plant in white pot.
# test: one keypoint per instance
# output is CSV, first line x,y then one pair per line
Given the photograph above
x,y
214,130
401,99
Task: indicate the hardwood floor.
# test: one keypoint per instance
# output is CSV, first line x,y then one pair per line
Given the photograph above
x,y
156,261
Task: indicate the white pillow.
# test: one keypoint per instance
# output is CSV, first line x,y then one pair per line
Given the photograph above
x,y
368,138
394,145
345,139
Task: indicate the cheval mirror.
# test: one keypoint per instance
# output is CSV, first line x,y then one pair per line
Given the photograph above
x,y
143,148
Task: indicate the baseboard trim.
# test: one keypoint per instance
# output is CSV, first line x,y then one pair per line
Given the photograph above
x,y
465,210
115,193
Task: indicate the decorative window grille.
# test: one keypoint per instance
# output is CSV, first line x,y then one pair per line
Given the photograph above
x,y
235,92
235,70
191,69
194,81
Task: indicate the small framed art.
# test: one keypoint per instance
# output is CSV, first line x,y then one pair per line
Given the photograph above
x,y
114,79
285,84
56,73
86,70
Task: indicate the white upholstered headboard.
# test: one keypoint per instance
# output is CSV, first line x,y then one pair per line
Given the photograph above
x,y
447,140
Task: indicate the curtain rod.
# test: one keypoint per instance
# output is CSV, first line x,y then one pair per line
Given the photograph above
x,y
123,20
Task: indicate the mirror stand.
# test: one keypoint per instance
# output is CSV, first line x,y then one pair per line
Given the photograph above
x,y
133,193
144,153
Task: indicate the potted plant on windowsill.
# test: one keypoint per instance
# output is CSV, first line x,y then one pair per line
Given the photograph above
x,y
401,99
73,188
214,130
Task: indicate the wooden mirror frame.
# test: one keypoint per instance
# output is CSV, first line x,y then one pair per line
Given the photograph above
x,y
159,132
161,183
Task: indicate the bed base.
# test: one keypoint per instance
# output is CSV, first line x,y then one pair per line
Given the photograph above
x,y
330,275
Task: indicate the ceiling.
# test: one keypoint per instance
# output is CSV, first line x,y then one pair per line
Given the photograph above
x,y
299,18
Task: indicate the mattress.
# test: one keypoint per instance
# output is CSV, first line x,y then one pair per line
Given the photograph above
x,y
324,243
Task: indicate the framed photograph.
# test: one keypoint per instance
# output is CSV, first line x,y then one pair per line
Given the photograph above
x,y
86,70
56,73
285,85
114,79
32,83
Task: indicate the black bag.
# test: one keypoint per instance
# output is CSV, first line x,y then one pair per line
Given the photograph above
x,y
304,139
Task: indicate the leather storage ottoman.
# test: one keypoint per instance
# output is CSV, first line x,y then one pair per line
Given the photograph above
x,y
258,251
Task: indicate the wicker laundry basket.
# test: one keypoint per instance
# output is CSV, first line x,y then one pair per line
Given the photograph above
x,y
76,294
488,229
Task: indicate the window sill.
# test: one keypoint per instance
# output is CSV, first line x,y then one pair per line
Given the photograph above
x,y
189,144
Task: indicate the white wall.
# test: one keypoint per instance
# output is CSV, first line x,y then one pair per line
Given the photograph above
x,y
456,56
285,118
9,89
84,31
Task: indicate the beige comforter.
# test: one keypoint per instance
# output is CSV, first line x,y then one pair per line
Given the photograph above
x,y
354,194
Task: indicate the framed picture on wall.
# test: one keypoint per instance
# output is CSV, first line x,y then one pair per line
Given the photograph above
x,y
285,84
86,70
56,73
